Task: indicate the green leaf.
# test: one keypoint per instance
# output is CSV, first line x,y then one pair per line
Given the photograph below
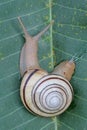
x,y
66,38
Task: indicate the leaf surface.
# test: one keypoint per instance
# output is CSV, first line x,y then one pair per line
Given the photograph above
x,y
66,38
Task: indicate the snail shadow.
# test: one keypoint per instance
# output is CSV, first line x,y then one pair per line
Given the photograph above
x,y
74,101
72,106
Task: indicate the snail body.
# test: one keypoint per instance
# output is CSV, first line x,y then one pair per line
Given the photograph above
x,y
43,93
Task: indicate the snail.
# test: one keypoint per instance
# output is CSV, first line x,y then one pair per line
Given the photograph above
x,y
42,93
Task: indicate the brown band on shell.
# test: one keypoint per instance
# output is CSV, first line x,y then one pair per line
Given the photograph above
x,y
55,91
45,100
46,86
25,88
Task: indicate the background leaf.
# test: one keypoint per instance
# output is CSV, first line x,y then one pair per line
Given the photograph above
x,y
68,37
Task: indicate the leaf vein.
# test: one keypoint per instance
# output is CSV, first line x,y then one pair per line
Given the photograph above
x,y
79,116
13,74
55,123
72,25
51,37
46,125
10,94
24,15
71,8
78,78
3,117
25,123
12,36
61,34
3,3
69,127
81,98
6,57
68,54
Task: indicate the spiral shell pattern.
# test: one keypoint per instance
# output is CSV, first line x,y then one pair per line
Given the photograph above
x,y
44,94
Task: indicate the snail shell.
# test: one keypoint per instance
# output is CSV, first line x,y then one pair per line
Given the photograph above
x,y
45,95
42,93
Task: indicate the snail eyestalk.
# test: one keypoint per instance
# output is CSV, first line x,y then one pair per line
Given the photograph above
x,y
43,31
24,29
